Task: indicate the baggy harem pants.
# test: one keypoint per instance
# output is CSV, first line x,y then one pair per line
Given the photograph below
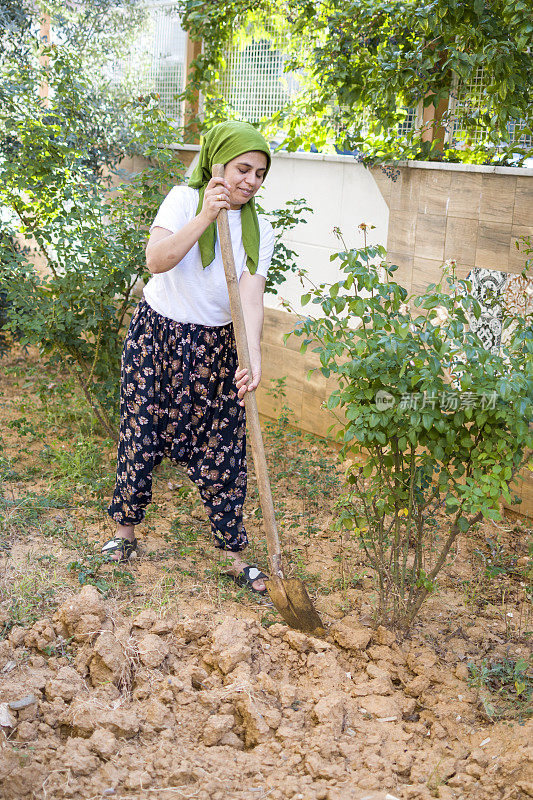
x,y
179,400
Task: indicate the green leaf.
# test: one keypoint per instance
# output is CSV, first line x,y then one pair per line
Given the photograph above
x,y
463,524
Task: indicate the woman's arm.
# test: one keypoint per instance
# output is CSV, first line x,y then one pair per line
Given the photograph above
x,y
166,249
251,289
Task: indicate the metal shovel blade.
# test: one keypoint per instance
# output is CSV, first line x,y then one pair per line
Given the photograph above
x,y
290,597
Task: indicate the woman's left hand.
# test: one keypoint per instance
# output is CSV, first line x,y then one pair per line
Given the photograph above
x,y
243,382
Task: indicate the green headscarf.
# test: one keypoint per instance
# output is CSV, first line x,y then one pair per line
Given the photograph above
x,y
221,144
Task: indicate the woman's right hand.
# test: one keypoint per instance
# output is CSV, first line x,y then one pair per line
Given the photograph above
x,y
216,196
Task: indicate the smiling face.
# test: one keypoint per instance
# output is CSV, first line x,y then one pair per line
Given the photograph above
x,y
245,174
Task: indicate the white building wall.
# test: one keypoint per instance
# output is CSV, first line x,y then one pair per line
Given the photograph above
x,y
342,193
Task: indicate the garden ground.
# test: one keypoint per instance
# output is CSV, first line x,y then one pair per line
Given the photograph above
x,y
162,679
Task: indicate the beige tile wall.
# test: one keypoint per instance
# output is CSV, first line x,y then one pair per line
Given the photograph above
x,y
472,217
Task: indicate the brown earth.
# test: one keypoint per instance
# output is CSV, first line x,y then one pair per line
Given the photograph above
x,y
178,685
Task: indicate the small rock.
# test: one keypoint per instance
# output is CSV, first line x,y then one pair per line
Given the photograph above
x,y
17,635
24,702
152,650
272,717
158,715
287,694
232,740
255,727
145,619
7,719
330,710
87,627
40,635
350,634
121,722
78,757
230,646
109,662
67,685
104,743
216,727
374,686
421,661
278,629
380,652
417,686
87,601
298,641
379,706
383,636
161,627
289,733
26,731
190,630
376,672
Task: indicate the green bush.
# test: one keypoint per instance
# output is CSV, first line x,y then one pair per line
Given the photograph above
x,y
431,420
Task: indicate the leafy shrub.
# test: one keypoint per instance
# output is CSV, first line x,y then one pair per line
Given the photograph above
x,y
283,258
432,422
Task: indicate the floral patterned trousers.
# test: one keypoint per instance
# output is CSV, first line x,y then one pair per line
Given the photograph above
x,y
179,400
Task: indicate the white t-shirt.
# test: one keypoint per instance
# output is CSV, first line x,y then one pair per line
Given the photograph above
x,y
188,292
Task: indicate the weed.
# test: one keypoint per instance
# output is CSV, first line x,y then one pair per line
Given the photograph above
x,y
60,648
77,465
505,687
89,571
270,617
496,560
23,427
18,514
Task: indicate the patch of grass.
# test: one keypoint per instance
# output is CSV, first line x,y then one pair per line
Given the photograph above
x,y
31,593
7,467
20,514
505,687
496,559
78,465
183,537
162,596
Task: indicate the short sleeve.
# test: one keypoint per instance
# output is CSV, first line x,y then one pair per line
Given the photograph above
x,y
266,246
176,210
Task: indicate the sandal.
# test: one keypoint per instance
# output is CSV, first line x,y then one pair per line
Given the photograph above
x,y
120,545
247,578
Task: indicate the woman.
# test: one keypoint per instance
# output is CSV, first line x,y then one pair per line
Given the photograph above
x,y
182,395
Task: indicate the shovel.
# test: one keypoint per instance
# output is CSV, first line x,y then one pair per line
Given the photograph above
x,y
289,595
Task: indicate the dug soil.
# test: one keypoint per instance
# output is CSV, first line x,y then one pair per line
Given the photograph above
x,y
164,680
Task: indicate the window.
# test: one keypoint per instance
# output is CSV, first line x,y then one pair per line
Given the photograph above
x,y
157,58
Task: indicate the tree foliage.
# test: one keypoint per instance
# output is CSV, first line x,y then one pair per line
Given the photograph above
x,y
69,289
363,63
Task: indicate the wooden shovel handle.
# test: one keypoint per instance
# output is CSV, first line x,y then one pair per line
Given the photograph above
x,y
250,402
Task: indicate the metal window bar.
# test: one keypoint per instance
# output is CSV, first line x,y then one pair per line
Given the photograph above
x,y
254,84
157,58
467,97
411,120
